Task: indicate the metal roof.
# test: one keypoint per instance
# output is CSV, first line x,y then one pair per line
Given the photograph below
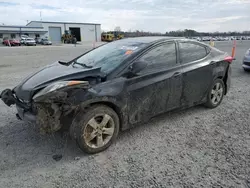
x,y
64,23
18,26
21,31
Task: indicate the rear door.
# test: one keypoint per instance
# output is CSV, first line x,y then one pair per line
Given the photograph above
x,y
157,88
197,72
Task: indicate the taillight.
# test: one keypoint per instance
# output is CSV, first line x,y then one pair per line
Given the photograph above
x,y
229,59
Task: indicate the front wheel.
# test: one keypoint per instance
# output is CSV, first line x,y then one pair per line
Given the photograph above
x,y
95,128
215,94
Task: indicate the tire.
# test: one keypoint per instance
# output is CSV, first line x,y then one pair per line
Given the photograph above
x,y
217,89
94,140
247,70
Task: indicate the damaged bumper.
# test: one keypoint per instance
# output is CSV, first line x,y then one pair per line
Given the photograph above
x,y
25,115
23,110
49,109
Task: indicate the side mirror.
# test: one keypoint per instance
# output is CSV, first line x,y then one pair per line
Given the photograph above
x,y
137,67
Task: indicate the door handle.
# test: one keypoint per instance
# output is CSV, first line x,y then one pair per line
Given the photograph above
x,y
176,74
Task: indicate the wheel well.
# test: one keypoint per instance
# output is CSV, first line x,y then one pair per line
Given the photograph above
x,y
224,79
67,120
112,106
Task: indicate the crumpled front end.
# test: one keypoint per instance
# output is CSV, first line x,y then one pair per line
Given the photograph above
x,y
47,108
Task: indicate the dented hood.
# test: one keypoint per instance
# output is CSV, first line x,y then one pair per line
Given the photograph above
x,y
49,74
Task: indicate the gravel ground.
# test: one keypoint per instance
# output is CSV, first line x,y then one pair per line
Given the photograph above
x,y
196,147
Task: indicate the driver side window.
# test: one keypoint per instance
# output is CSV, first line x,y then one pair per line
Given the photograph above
x,y
160,57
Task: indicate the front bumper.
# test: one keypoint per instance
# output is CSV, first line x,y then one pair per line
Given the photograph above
x,y
25,115
24,112
246,65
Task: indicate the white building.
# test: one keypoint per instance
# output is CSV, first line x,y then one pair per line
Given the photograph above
x,y
53,30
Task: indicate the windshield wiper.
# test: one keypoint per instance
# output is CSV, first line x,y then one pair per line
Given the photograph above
x,y
82,64
63,63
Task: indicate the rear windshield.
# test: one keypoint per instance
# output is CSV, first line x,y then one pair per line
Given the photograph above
x,y
111,55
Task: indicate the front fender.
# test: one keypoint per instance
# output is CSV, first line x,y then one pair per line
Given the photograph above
x,y
81,99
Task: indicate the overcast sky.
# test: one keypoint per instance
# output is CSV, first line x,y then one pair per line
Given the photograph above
x,y
147,15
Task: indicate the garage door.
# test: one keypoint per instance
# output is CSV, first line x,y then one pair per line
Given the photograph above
x,y
55,34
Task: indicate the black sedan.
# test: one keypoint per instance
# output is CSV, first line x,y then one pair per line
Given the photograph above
x,y
120,84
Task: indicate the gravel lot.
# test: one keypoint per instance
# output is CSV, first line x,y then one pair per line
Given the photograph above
x,y
196,147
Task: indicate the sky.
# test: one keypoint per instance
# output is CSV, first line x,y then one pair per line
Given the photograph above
x,y
146,15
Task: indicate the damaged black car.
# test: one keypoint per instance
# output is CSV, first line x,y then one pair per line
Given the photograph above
x,y
120,84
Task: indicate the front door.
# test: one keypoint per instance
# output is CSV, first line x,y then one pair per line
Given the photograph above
x,y
157,88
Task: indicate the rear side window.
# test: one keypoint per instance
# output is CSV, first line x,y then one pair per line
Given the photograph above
x,y
191,52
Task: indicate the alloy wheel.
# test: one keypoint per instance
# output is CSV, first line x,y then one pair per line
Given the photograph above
x,y
99,130
216,93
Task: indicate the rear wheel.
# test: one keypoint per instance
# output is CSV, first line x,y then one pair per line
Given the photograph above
x,y
215,94
95,129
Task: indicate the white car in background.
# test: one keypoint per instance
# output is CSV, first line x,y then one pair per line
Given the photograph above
x,y
205,38
23,38
30,42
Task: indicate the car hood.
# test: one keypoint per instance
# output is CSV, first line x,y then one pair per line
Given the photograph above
x,y
49,74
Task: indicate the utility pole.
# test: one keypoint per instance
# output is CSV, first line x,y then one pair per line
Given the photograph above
x,y
40,15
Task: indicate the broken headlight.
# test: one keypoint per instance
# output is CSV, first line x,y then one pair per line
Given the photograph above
x,y
58,85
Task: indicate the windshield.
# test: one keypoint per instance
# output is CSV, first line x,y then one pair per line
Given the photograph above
x,y
110,56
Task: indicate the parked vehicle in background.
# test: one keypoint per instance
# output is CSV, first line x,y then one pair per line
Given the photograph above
x,y
233,38
246,61
12,42
5,40
23,38
238,38
46,42
22,41
38,40
120,84
198,38
30,42
205,38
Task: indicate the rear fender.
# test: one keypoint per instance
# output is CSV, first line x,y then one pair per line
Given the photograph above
x,y
222,70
